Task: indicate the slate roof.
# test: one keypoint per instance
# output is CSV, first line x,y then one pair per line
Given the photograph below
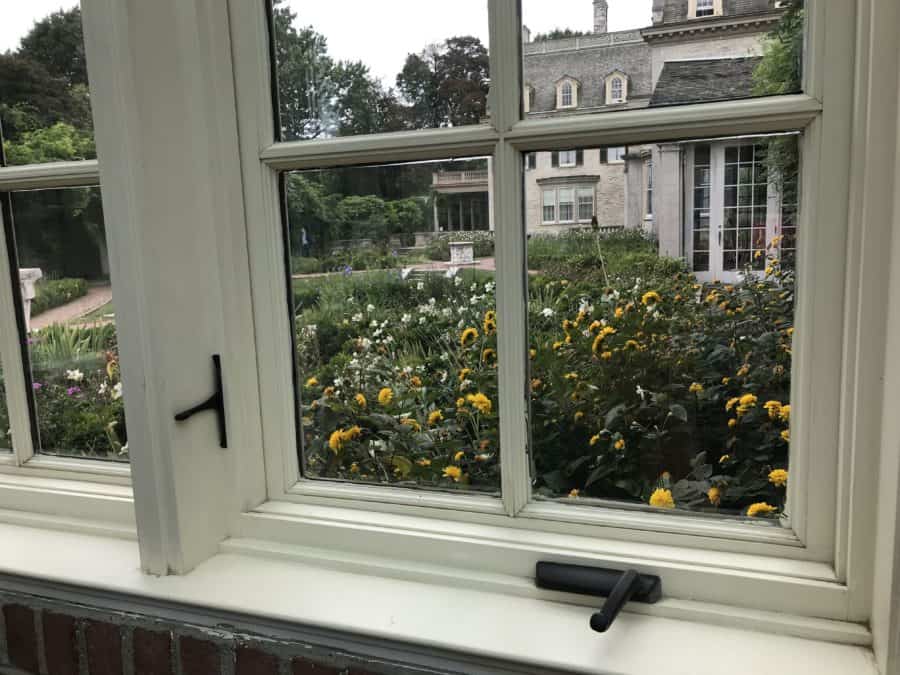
x,y
702,81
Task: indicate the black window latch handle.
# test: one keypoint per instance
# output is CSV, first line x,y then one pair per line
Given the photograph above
x,y
215,402
616,586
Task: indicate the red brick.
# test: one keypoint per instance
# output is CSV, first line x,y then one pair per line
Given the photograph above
x,y
304,667
152,652
252,661
104,648
198,657
60,644
21,638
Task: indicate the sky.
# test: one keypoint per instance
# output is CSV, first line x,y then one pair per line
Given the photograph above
x,y
381,33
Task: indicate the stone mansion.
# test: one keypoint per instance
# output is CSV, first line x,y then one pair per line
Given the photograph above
x,y
694,51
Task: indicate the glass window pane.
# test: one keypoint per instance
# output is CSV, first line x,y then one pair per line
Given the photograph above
x,y
632,55
664,372
348,68
395,324
45,110
72,346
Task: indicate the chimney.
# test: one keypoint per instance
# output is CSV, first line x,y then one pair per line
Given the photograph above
x,y
526,34
601,14
658,12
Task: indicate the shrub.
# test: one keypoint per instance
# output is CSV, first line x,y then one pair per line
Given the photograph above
x,y
50,293
439,249
305,265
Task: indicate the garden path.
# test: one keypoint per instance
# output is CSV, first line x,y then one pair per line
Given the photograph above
x,y
96,297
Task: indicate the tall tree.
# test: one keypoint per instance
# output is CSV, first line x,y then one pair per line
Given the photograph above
x,y
781,69
57,43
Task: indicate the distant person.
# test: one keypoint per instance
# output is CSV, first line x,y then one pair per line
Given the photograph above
x,y
304,243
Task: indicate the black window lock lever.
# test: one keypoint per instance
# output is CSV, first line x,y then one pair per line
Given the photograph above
x,y
616,586
216,402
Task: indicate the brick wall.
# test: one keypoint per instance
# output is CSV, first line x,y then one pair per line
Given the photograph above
x,y
45,637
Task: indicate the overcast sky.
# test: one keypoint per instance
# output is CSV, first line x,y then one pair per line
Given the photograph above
x,y
382,33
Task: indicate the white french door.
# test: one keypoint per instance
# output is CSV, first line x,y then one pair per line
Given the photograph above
x,y
732,209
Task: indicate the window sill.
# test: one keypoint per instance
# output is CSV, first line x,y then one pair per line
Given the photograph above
x,y
458,618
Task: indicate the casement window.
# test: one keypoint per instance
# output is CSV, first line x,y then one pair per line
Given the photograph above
x,y
454,428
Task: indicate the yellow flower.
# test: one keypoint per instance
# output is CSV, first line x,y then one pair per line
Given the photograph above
x,y
619,312
747,401
619,444
464,373
458,456
385,396
579,416
490,323
468,336
488,355
423,462
778,477
412,424
336,440
785,413
726,380
558,345
662,499
328,392
573,494
532,353
714,495
651,298
571,376
595,439
435,417
773,408
312,382
354,468
790,332
453,472
460,402
732,423
724,458
415,381
606,356
536,384
743,370
760,509
567,325
696,388
786,435
481,402
360,400
595,326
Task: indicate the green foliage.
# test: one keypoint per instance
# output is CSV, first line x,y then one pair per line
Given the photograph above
x,y
781,68
57,43
59,143
50,293
439,248
559,34
641,379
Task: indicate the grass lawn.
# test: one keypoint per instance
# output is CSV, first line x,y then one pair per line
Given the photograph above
x,y
107,311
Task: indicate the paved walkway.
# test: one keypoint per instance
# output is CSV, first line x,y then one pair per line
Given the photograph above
x,y
96,297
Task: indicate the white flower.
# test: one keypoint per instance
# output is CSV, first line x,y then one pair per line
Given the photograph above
x,y
451,274
370,308
407,370
103,389
461,324
405,272
432,302
406,318
447,312
357,318
124,449
117,391
547,312
489,287
422,320
473,287
457,281
420,286
465,384
641,392
74,375
374,324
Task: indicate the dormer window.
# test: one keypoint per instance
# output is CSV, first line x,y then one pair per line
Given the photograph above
x,y
616,88
567,93
704,8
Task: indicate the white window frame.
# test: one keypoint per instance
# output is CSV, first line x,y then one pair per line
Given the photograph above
x,y
571,159
194,500
560,95
611,79
526,98
581,191
693,8
616,154
545,206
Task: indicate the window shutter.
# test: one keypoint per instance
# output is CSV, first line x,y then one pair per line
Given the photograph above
x,y
579,157
604,155
554,160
